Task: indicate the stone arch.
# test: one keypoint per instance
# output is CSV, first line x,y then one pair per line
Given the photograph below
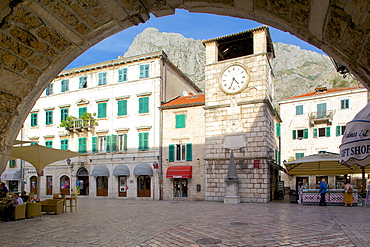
x,y
39,38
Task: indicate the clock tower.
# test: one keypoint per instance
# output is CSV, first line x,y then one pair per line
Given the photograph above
x,y
239,116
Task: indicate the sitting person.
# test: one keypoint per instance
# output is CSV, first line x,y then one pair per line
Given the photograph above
x,y
25,197
9,208
4,190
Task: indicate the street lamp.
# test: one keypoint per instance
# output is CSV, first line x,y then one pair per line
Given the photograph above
x,y
340,68
69,161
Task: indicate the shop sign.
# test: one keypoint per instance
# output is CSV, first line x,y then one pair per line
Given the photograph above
x,y
256,164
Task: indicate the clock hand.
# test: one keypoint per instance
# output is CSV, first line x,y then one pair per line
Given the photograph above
x,y
231,83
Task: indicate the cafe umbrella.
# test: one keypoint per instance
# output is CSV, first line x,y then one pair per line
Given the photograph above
x,y
40,157
355,147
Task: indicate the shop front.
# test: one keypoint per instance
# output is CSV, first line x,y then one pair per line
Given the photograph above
x,y
12,177
180,176
122,172
143,173
101,174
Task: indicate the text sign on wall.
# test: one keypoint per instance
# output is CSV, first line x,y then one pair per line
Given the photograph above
x,y
256,164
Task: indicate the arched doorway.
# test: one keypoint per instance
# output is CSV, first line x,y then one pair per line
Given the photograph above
x,y
65,185
82,183
143,186
33,184
102,186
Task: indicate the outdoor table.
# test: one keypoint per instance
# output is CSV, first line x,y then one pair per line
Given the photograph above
x,y
70,200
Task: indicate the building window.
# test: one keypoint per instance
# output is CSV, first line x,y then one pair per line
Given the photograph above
x,y
63,114
102,110
65,85
300,134
34,119
122,107
144,105
102,78
122,142
344,104
340,130
49,117
64,144
11,163
299,110
81,111
321,110
82,145
299,155
49,144
49,89
321,132
143,141
144,70
180,152
102,144
180,121
122,75
83,82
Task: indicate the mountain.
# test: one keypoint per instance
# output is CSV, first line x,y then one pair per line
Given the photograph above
x,y
296,71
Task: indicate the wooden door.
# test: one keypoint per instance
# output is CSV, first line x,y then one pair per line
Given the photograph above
x,y
33,182
143,189
102,186
65,184
49,185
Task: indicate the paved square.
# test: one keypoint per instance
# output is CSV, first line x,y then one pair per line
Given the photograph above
x,y
109,222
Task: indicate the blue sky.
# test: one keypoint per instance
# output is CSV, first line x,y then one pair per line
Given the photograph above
x,y
190,25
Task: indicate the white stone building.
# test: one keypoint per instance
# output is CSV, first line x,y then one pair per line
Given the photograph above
x,y
315,122
125,94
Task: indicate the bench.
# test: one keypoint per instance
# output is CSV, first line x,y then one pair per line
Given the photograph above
x,y
52,205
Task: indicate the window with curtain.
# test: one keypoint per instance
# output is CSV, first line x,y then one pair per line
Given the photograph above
x,y
180,152
122,142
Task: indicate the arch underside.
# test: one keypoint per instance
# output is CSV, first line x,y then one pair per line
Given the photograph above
x,y
38,39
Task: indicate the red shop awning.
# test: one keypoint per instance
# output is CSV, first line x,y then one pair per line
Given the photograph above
x,y
179,172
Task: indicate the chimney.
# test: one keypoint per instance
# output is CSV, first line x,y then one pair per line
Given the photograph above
x,y
320,89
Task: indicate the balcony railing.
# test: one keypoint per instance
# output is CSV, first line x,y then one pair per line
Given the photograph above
x,y
81,124
321,117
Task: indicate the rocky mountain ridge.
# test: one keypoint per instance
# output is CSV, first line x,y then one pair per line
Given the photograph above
x,y
296,71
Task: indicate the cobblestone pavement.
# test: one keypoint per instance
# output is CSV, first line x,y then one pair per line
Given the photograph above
x,y
109,222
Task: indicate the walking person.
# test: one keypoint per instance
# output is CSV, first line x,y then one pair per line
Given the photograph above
x,y
348,197
323,189
300,192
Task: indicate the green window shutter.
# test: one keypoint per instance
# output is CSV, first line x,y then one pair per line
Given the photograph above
x,y
299,155
102,78
338,130
327,132
180,121
49,144
294,134
33,119
299,110
122,75
125,142
278,133
94,144
114,143
102,110
64,144
49,117
122,107
82,145
171,153
144,71
81,111
83,82
108,144
315,133
189,152
144,105
143,141
305,133
321,110
64,85
11,163
344,104
63,114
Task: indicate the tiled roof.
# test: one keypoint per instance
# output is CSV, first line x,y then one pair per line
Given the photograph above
x,y
237,34
185,101
330,90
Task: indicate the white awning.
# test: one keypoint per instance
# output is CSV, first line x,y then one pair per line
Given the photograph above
x,y
143,169
121,170
11,175
100,171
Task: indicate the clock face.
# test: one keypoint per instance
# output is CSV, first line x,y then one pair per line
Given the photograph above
x,y
234,79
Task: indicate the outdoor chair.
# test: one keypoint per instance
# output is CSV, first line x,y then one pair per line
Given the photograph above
x,y
52,205
33,209
19,212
